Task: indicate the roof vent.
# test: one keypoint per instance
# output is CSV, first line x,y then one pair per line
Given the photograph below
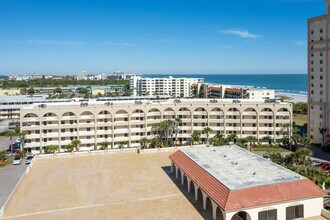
x,y
254,173
224,155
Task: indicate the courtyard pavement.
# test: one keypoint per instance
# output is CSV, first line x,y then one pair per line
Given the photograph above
x,y
113,186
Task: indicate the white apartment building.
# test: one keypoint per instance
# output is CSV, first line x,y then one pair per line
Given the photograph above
x,y
260,94
177,87
318,76
116,121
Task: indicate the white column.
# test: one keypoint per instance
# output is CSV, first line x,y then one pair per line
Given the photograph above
x,y
176,172
189,182
196,191
214,209
204,199
182,177
172,167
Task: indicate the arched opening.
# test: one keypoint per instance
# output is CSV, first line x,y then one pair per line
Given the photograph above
x,y
208,205
169,114
200,195
241,216
219,214
192,188
185,180
179,174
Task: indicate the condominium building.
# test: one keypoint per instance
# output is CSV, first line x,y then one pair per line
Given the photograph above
x,y
94,122
318,76
173,86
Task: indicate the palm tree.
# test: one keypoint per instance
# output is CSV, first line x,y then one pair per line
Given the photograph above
x,y
122,144
207,131
195,136
267,139
75,143
251,139
104,145
301,155
231,137
176,129
218,139
144,142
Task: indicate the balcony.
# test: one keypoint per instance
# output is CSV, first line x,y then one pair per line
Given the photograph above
x,y
137,115
104,117
50,143
266,113
266,129
32,136
69,134
249,128
87,133
50,118
237,121
104,132
121,131
32,119
249,120
135,130
233,113
49,135
87,141
86,117
117,139
184,113
228,128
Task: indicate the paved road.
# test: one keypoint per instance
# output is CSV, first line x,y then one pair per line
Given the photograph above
x,y
319,154
9,176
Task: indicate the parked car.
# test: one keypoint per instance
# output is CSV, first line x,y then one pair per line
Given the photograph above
x,y
325,165
17,161
315,163
29,159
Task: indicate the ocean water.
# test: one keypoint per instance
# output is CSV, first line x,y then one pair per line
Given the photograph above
x,y
289,83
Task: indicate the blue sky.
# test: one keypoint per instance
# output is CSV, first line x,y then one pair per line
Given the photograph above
x,y
155,36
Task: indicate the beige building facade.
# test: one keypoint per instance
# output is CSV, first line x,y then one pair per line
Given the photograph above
x,y
5,92
318,76
130,121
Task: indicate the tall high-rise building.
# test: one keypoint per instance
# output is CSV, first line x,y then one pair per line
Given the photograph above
x,y
318,76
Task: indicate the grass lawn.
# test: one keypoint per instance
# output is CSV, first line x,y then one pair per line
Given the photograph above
x,y
300,119
270,149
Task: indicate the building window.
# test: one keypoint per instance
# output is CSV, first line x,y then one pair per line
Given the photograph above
x,y
321,61
312,32
321,77
321,69
321,92
312,85
312,54
312,47
312,61
268,215
321,85
312,92
312,69
321,31
321,54
321,38
294,212
312,77
321,116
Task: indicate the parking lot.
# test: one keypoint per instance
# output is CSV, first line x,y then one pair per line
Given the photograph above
x,y
118,186
9,176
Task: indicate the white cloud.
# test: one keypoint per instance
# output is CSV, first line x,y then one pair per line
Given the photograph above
x,y
300,43
242,33
118,44
54,42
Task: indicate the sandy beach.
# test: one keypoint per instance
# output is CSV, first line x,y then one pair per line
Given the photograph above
x,y
293,97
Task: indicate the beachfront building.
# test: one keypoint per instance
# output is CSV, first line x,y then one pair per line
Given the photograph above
x,y
173,86
205,90
129,121
6,92
235,184
318,76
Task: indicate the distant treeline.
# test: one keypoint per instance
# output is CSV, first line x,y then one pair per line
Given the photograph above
x,y
6,84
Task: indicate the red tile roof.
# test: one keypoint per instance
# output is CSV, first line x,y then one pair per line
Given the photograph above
x,y
233,90
215,88
248,197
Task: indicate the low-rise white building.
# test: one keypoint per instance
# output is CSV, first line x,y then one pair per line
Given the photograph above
x,y
235,184
259,94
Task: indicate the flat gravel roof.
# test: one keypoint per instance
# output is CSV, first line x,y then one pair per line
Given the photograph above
x,y
238,168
